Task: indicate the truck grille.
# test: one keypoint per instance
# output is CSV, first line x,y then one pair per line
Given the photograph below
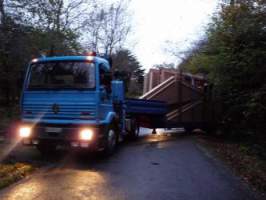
x,y
59,111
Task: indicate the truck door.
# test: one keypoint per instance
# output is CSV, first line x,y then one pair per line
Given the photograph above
x,y
105,92
105,84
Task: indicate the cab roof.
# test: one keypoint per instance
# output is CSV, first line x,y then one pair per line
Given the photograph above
x,y
94,59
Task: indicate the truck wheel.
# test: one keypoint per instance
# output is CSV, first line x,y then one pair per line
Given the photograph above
x,y
46,149
111,141
137,130
134,132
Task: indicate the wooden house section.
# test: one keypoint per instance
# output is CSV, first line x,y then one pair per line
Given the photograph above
x,y
185,95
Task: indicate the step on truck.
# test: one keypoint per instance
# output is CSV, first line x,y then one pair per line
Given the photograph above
x,y
74,101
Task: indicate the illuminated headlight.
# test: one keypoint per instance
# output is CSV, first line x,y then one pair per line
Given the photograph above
x,y
24,132
86,134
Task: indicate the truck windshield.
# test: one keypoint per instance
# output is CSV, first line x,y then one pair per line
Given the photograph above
x,y
62,75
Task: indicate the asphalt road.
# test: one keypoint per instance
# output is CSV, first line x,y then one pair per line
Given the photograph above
x,y
155,167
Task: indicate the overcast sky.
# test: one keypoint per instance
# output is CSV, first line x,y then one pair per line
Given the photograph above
x,y
155,22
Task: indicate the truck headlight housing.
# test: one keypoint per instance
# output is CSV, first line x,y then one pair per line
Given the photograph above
x,y
86,134
24,131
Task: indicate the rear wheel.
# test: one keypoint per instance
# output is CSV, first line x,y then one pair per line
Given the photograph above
x,y
134,132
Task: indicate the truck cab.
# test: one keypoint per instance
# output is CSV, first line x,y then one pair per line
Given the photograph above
x,y
69,101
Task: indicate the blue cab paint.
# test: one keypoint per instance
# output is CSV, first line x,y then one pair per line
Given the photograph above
x,y
36,105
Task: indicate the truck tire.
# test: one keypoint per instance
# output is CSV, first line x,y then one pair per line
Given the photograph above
x,y
111,140
134,132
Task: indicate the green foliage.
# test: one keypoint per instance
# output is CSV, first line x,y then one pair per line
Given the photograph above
x,y
234,58
130,70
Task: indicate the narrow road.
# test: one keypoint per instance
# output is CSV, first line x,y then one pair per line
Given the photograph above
x,y
156,167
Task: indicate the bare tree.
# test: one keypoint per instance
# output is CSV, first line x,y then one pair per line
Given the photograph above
x,y
107,26
184,53
52,14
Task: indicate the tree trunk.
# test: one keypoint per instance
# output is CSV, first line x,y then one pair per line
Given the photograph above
x,y
2,12
4,52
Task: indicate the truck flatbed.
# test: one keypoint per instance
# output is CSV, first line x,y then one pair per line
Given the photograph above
x,y
149,113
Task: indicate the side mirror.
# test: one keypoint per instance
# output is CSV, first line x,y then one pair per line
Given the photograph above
x,y
118,91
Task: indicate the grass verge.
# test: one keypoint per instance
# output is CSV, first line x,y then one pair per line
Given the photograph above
x,y
10,173
241,159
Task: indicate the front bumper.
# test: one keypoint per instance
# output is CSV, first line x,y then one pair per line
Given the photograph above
x,y
65,135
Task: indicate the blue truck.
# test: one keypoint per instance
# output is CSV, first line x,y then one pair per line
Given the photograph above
x,y
75,101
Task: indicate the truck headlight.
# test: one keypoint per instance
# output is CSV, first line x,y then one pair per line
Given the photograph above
x,y
86,134
24,132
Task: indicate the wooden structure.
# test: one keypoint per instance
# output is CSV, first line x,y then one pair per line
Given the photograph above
x,y
187,97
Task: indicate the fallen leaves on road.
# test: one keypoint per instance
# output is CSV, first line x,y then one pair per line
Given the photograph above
x,y
250,167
